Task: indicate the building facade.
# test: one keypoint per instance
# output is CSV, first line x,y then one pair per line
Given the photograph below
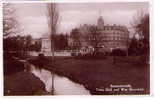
x,y
46,43
112,36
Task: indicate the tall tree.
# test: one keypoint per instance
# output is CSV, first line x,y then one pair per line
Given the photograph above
x,y
141,26
76,36
10,23
11,30
52,16
61,41
133,47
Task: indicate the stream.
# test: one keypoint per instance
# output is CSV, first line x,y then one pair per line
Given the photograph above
x,y
62,85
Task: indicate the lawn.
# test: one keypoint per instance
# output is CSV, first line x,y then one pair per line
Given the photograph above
x,y
99,74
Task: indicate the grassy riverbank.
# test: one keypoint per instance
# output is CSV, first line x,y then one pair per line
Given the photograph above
x,y
100,74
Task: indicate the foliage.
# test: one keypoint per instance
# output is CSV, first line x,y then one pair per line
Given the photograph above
x,y
118,52
141,26
76,36
61,41
138,47
133,47
19,45
35,47
15,43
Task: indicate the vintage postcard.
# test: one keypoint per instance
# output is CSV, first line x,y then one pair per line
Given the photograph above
x,y
55,48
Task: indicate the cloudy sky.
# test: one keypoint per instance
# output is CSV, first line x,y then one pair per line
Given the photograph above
x,y
32,16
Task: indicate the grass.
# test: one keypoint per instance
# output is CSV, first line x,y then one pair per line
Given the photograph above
x,y
102,73
23,84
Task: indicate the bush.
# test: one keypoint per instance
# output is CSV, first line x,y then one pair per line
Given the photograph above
x,y
73,54
12,66
118,52
91,55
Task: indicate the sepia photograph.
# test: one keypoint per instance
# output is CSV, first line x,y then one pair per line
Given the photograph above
x,y
76,48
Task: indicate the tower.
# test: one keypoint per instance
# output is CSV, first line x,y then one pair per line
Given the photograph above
x,y
100,21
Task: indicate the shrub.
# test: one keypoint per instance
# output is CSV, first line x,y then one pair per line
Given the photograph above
x,y
118,52
91,55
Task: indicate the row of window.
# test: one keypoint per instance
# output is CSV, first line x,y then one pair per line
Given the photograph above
x,y
115,28
106,43
116,44
114,34
115,38
111,35
110,38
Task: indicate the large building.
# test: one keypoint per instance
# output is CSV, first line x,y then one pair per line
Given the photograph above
x,y
112,36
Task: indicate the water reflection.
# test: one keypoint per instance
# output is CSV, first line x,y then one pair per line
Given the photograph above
x,y
62,85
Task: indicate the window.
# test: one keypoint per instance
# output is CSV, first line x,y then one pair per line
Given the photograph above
x,y
115,38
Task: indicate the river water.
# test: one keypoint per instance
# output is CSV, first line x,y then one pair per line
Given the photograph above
x,y
62,85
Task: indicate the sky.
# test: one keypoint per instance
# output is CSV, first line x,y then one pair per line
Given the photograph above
x,y
32,16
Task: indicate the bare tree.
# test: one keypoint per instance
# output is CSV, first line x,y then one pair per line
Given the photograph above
x,y
141,26
12,30
10,24
94,37
52,16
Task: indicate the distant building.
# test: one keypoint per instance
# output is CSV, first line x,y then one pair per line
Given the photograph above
x,y
46,43
113,36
